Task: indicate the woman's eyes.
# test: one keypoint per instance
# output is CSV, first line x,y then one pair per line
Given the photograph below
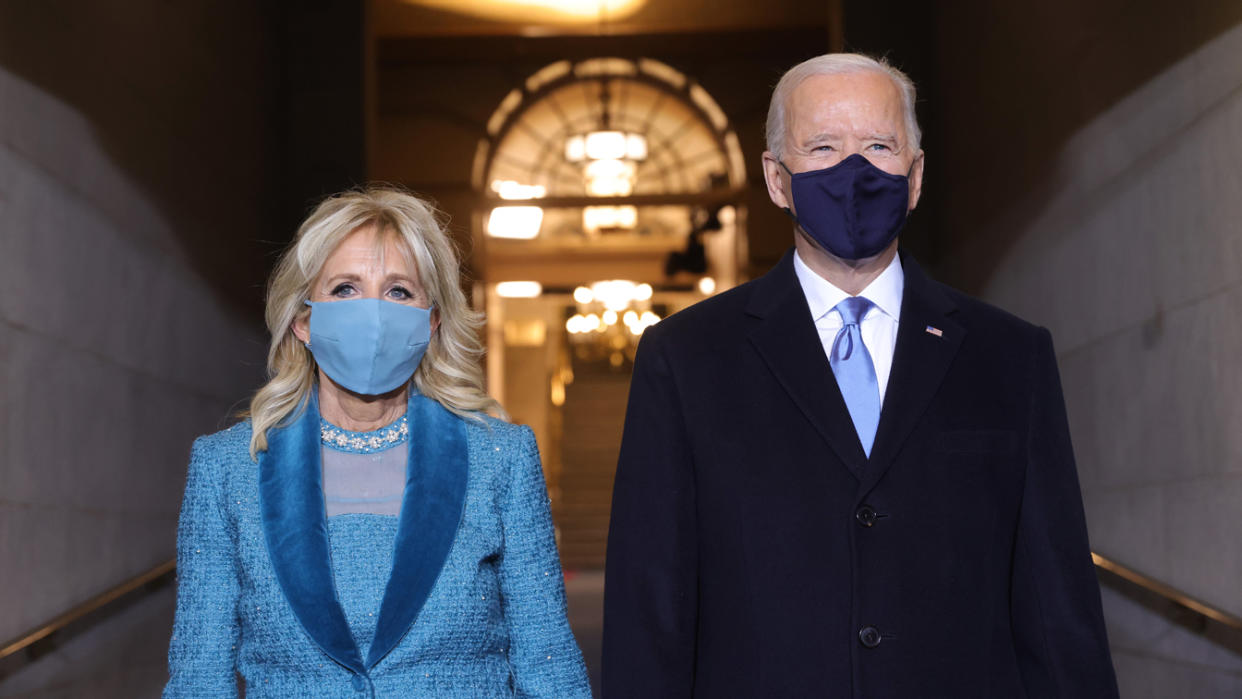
x,y
400,293
348,290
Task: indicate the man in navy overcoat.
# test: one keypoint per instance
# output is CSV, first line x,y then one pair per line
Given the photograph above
x,y
844,479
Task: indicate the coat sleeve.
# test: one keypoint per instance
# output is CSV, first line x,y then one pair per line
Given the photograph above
x,y
543,654
651,581
203,651
1058,623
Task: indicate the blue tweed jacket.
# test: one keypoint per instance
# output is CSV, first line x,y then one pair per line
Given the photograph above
x,y
459,596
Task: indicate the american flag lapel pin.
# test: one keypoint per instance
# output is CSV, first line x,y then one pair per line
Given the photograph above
x,y
934,331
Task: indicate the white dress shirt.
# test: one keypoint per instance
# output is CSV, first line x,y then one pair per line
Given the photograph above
x,y
878,326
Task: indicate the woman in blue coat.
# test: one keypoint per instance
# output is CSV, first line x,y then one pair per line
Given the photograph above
x,y
369,530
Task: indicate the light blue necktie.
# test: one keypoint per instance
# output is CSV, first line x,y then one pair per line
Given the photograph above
x,y
851,364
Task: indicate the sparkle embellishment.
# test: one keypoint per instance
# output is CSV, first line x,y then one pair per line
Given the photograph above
x,y
364,442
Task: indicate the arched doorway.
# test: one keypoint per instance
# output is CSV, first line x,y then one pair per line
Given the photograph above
x,y
613,194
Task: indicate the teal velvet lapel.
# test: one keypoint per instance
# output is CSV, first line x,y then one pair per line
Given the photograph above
x,y
431,511
295,525
294,522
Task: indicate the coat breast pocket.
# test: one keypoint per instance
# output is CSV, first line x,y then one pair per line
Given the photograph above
x,y
967,455
999,442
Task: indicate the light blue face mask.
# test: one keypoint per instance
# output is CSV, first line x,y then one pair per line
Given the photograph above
x,y
370,346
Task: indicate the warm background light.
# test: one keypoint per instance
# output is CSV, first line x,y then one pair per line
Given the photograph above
x,y
519,290
520,222
615,294
597,218
560,11
575,149
610,178
605,145
508,189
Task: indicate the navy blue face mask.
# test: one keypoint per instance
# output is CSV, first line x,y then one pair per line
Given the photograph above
x,y
852,209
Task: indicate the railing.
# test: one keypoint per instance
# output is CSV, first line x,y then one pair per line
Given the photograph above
x,y
1177,607
1166,592
137,586
1218,626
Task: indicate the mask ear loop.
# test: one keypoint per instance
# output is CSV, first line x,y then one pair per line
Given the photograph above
x,y
310,305
788,211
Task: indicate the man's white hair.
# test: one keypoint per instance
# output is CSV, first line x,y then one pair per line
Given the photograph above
x,y
837,64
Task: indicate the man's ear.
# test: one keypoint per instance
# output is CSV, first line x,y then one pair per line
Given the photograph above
x,y
916,180
774,176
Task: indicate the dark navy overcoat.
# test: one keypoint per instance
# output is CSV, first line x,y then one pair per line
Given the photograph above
x,y
755,551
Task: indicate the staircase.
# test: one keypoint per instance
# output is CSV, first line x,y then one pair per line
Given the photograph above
x,y
593,414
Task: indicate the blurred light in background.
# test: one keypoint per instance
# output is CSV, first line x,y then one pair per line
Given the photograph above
x,y
563,11
508,189
519,290
520,222
610,178
615,294
597,218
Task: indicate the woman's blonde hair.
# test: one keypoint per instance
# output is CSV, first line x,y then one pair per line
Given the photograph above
x,y
451,370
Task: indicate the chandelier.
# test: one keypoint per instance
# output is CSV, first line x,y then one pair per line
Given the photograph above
x,y
609,159
610,317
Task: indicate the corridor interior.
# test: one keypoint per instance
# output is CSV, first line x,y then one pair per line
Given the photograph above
x,y
599,166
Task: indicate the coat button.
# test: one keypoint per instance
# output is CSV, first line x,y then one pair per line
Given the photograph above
x,y
869,636
359,683
865,515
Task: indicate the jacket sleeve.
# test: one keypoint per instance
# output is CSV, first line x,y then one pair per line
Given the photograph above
x,y
203,651
543,654
1058,623
651,581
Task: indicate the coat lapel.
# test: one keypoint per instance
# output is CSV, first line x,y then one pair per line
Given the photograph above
x,y
431,512
295,526
920,361
787,340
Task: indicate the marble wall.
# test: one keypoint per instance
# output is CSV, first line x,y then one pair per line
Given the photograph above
x,y
1130,251
133,160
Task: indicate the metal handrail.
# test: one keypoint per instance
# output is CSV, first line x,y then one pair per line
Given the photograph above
x,y
91,605
167,568
1167,592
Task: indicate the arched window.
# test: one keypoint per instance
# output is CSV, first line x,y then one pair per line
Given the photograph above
x,y
611,195
605,153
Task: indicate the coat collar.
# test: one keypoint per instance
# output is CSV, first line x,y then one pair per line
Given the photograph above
x,y
788,342
294,521
927,340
